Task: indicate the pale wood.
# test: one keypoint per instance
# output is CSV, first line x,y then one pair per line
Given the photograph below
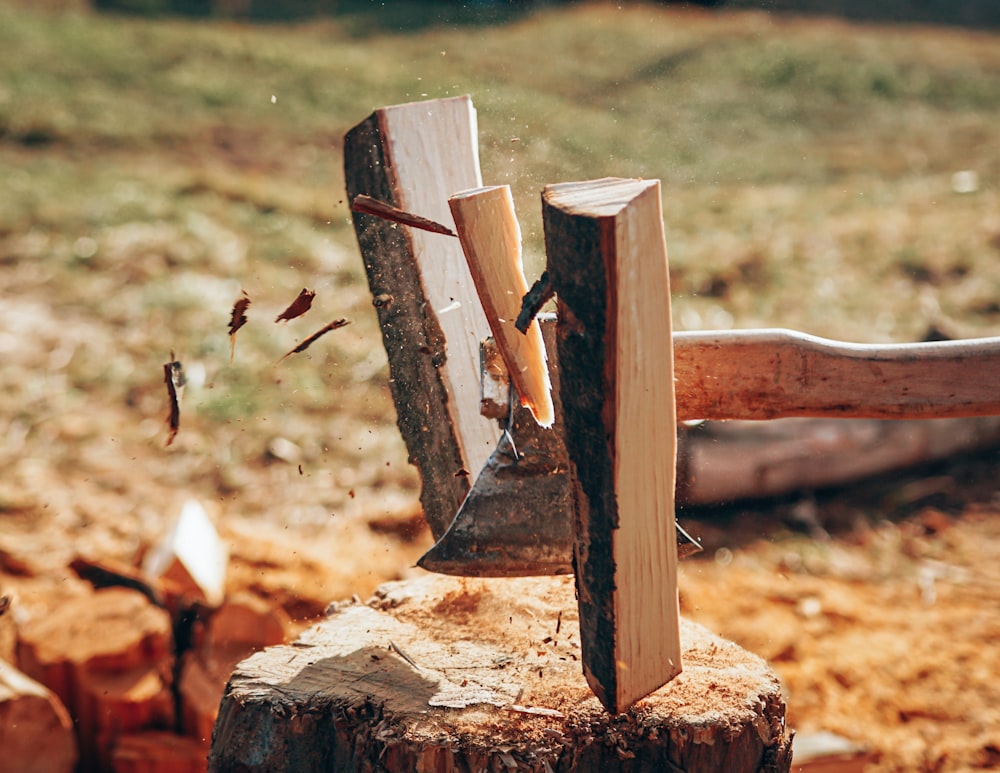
x,y
109,657
441,674
414,157
607,261
774,373
36,732
767,374
491,240
825,752
190,559
158,752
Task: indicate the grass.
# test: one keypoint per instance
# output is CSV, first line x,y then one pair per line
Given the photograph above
x,y
150,169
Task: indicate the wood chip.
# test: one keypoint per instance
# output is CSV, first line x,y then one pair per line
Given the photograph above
x,y
237,319
298,307
173,377
369,206
337,323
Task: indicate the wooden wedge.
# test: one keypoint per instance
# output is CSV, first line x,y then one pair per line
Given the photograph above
x,y
491,240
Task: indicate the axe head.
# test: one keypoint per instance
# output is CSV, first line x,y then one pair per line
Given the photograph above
x,y
517,519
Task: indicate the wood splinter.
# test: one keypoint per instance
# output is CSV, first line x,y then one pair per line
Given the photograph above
x,y
607,261
369,206
491,239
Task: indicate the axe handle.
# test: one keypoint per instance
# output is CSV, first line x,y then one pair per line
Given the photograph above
x,y
774,373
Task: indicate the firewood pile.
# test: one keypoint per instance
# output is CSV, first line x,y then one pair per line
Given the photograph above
x,y
123,670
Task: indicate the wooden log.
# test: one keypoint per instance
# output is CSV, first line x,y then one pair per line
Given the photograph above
x,y
414,157
109,657
491,241
36,732
110,703
446,674
243,625
158,752
200,686
607,261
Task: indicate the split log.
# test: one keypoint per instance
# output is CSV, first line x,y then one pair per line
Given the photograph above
x,y
158,752
109,657
414,157
445,674
36,732
607,261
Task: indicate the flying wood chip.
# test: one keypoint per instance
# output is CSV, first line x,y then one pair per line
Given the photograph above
x,y
369,206
315,336
298,307
237,319
173,376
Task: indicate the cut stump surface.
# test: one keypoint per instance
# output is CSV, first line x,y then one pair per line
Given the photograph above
x,y
454,674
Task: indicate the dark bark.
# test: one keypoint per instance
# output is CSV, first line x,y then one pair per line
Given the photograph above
x,y
413,339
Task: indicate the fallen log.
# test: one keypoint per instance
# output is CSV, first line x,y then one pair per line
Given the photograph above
x,y
445,674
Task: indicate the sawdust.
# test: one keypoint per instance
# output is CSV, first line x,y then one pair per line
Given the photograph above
x,y
459,605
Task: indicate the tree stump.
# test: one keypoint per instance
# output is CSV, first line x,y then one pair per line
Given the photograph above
x,y
455,674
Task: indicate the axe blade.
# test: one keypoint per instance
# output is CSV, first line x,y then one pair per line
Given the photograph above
x,y
518,518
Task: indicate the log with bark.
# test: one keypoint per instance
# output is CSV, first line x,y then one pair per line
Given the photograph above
x,y
413,157
607,261
444,674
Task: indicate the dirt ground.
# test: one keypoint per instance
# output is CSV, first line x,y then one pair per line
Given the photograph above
x,y
878,605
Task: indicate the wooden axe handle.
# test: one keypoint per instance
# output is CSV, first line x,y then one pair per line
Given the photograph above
x,y
774,373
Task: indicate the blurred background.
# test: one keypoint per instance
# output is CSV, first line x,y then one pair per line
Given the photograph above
x,y
826,166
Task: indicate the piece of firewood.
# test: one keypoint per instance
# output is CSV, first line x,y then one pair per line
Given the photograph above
x,y
158,752
607,261
824,752
109,657
450,674
491,240
111,702
201,684
190,560
243,625
413,157
36,732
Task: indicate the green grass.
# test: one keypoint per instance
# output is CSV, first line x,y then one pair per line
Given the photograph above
x,y
150,169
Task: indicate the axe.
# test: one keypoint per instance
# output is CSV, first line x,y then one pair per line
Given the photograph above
x,y
586,487
517,519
